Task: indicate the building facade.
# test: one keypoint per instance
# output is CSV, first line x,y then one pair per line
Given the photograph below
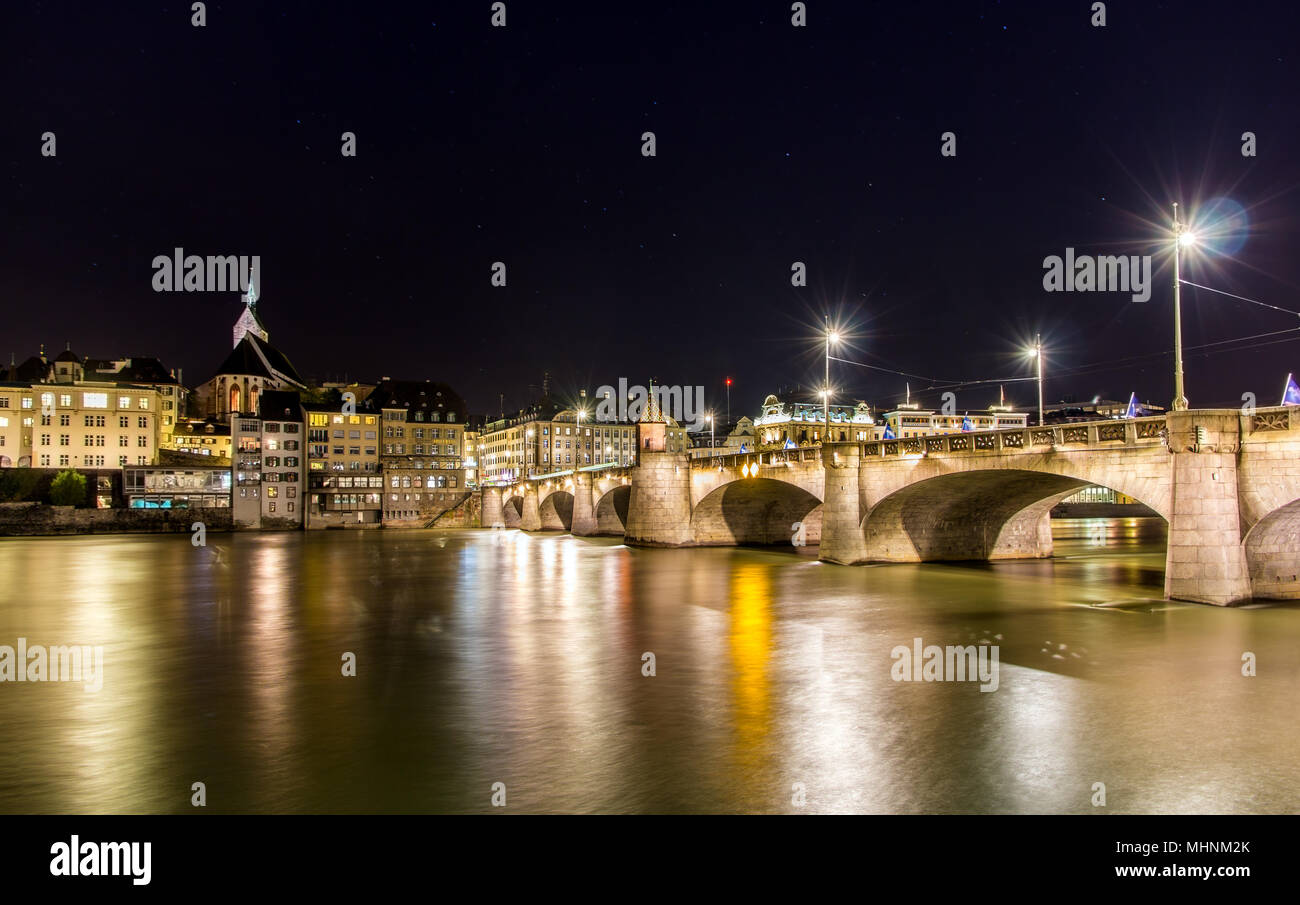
x,y
267,471
344,482
422,450
201,437
92,413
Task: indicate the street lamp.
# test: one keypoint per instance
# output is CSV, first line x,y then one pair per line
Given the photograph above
x,y
1182,237
577,454
831,337
709,418
1037,352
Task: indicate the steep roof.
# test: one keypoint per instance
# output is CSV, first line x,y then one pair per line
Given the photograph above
x,y
31,370
259,359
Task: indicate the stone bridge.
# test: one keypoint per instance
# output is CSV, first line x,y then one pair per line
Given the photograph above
x,y
1230,493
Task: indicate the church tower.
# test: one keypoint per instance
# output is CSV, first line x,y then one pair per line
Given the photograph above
x,y
248,320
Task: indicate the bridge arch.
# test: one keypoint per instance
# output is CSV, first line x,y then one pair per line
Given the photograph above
x,y
512,510
999,513
755,511
611,511
1273,553
556,511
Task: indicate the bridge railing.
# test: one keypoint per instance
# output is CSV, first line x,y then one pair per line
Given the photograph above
x,y
762,457
1274,418
1126,432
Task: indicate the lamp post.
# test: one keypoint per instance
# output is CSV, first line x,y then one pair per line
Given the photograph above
x,y
712,441
728,400
831,337
577,454
1182,236
1037,352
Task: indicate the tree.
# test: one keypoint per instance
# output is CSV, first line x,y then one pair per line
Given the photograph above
x,y
68,488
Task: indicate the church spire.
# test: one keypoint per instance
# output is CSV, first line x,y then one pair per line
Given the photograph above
x,y
250,297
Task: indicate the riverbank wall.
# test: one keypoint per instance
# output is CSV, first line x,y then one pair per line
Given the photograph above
x,y
37,519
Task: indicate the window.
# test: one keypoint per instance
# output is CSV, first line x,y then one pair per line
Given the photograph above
x,y
144,403
94,400
142,422
124,402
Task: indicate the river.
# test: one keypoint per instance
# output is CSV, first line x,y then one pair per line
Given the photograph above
x,y
502,657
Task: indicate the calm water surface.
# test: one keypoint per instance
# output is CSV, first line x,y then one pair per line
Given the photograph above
x,y
517,658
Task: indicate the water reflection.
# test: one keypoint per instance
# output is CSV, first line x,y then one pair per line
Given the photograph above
x,y
503,657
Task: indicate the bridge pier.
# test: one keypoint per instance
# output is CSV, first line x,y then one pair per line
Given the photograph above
x,y
584,513
530,519
492,508
842,540
1206,559
659,510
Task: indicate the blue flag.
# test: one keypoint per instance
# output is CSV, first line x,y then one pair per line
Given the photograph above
x,y
1291,395
743,448
889,431
789,444
1132,406
966,425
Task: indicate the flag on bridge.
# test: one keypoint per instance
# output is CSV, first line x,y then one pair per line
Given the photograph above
x,y
1291,395
889,431
966,425
743,448
1132,406
789,444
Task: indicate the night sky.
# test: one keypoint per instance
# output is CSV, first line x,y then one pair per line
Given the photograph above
x,y
775,144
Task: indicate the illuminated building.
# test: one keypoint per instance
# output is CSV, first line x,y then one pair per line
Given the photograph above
x,y
782,425
70,413
421,449
344,484
268,465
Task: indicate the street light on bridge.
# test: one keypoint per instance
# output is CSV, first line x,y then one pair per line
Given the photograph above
x,y
1037,352
1183,237
831,337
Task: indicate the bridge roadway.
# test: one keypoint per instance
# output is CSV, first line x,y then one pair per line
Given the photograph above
x,y
1232,500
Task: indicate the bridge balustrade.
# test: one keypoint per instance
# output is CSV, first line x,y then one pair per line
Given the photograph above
x,y
1019,439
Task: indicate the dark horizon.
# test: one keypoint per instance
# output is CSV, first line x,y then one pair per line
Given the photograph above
x,y
775,144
